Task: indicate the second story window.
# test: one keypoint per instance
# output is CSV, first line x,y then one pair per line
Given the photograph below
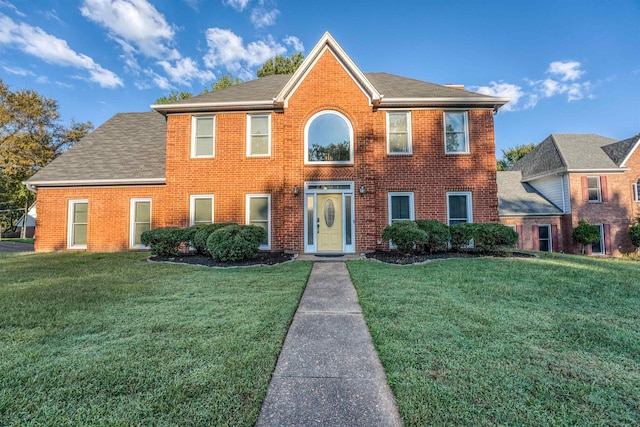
x,y
328,139
595,193
258,135
399,133
456,132
202,137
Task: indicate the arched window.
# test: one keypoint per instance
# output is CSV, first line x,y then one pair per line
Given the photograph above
x,y
328,138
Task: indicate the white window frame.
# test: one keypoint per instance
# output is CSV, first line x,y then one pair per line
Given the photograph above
x,y
192,206
132,221
306,139
70,223
194,121
393,194
248,212
550,238
599,199
469,204
603,250
409,144
467,149
250,135
636,191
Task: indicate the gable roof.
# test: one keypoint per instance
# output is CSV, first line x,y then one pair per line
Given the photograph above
x,y
516,198
129,148
383,90
562,153
620,151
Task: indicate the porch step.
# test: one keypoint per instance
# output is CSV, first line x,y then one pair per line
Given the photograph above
x,y
328,257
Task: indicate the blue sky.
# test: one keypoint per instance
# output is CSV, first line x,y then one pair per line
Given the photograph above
x,y
570,66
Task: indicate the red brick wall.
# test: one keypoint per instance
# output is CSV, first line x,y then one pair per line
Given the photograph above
x,y
230,175
524,227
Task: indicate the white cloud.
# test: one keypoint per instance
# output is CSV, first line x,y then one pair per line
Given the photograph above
x,y
186,70
568,71
227,50
503,90
295,43
193,4
18,71
12,7
36,42
261,18
238,5
136,22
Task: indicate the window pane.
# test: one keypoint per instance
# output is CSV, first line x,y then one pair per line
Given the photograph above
x,y
597,247
329,139
259,125
203,210
594,188
258,209
347,207
398,143
455,142
454,122
310,223
544,245
79,234
143,212
139,229
455,130
400,209
204,126
204,146
259,145
80,212
458,208
398,122
543,232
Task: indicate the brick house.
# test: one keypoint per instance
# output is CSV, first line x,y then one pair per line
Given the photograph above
x,y
573,177
323,159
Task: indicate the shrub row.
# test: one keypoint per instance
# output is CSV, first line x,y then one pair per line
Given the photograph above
x,y
431,235
224,241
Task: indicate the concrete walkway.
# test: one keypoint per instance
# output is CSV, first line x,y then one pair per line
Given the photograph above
x,y
328,373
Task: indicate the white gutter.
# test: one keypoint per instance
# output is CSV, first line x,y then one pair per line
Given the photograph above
x,y
267,104
33,186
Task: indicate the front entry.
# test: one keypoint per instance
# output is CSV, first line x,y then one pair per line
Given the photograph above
x,y
329,222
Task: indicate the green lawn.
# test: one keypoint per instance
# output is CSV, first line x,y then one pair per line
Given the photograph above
x,y
549,341
108,339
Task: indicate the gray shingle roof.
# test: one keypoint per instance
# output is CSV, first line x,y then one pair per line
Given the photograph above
x,y
619,151
128,146
516,198
392,86
566,152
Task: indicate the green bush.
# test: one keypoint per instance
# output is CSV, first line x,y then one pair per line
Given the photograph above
x,y
585,234
634,234
489,237
200,236
404,235
438,235
190,232
461,235
164,241
235,242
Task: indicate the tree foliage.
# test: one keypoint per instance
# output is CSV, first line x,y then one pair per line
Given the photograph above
x,y
225,81
31,136
511,155
634,234
173,96
281,65
585,234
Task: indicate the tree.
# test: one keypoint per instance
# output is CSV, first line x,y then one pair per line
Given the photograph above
x,y
634,234
281,65
225,81
31,136
511,155
585,234
173,96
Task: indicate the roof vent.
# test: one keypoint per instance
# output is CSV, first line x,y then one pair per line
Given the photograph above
x,y
454,86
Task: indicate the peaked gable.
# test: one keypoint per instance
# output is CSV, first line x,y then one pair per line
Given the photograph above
x,y
620,151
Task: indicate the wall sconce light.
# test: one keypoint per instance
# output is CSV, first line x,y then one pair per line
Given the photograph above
x,y
295,190
362,190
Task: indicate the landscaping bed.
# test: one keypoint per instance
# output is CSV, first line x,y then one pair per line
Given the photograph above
x,y
262,258
395,257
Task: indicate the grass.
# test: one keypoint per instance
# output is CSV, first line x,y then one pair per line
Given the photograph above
x,y
549,341
16,239
108,339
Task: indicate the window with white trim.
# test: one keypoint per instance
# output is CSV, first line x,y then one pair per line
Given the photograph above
x,y
77,226
140,221
636,191
544,238
595,191
201,211
459,207
456,132
328,139
399,132
597,248
202,136
400,207
258,135
259,214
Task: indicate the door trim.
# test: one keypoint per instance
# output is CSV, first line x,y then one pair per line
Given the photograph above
x,y
311,190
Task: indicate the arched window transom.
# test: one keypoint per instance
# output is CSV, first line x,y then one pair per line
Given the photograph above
x,y
328,138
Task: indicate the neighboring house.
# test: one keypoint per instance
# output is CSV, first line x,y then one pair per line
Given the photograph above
x,y
567,178
31,223
323,159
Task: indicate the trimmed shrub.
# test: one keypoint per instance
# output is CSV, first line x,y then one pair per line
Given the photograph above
x,y
200,236
190,232
634,234
404,235
235,242
461,235
438,235
164,241
585,234
489,237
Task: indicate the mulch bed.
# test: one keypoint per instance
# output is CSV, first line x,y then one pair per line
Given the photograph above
x,y
394,257
262,258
